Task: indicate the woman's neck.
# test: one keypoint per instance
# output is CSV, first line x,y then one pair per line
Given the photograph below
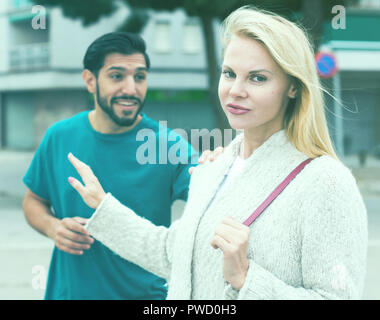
x,y
253,140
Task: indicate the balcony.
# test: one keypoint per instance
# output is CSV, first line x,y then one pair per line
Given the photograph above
x,y
21,4
29,57
21,11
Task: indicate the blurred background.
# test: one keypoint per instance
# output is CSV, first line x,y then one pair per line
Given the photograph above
x,y
41,51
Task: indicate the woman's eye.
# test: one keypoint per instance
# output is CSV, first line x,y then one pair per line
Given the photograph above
x,y
258,78
228,74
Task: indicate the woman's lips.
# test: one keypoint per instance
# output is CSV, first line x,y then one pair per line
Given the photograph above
x,y
236,109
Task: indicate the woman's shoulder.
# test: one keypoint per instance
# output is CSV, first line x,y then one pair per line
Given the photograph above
x,y
330,174
222,162
328,166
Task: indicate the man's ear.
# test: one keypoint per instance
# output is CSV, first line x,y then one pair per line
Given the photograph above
x,y
89,80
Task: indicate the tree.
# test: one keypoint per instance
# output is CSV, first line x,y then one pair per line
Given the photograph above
x,y
314,13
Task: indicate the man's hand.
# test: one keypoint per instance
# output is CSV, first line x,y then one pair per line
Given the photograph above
x,y
208,155
70,235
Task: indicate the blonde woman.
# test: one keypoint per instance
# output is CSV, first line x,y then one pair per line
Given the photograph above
x,y
310,242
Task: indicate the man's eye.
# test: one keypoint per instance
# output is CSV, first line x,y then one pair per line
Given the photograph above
x,y
140,77
228,74
115,76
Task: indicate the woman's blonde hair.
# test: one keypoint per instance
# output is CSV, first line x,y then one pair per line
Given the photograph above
x,y
305,121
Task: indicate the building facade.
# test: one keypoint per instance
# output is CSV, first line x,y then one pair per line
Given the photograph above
x,y
354,117
41,65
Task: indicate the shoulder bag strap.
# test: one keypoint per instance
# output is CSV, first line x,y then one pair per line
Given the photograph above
x,y
275,193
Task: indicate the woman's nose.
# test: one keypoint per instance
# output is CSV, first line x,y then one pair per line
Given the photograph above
x,y
238,89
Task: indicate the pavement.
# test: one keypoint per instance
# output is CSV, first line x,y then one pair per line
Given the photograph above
x,y
25,254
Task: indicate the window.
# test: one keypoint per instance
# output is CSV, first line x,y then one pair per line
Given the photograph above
x,y
162,42
370,3
21,4
192,37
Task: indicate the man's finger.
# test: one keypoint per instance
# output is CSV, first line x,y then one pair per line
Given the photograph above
x,y
191,169
74,245
80,220
218,151
204,156
72,225
68,250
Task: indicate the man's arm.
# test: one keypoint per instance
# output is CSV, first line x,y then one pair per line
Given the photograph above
x,y
68,234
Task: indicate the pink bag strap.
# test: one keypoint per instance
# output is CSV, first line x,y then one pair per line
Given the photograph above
x,y
276,192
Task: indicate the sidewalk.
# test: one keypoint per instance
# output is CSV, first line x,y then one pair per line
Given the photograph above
x,y
25,254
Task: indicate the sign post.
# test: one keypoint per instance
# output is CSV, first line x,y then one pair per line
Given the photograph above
x,y
327,68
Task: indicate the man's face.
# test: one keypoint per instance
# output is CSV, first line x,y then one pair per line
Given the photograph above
x,y
121,87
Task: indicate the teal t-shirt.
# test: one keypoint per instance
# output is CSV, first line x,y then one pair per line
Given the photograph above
x,y
127,165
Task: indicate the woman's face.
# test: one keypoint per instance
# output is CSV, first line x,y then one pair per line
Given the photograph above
x,y
253,90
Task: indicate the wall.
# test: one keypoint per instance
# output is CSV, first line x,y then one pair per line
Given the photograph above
x,y
29,114
69,39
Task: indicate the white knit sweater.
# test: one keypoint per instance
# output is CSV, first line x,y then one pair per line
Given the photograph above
x,y
310,243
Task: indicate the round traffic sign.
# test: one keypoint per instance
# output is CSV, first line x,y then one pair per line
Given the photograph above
x,y
326,64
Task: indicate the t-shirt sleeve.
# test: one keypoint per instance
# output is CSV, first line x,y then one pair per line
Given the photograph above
x,y
182,177
37,175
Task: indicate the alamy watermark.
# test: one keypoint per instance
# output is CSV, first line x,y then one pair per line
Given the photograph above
x,y
178,151
39,278
39,20
339,20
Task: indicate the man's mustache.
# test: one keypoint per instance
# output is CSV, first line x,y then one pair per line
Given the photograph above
x,y
126,98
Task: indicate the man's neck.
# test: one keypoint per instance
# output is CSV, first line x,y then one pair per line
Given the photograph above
x,y
100,122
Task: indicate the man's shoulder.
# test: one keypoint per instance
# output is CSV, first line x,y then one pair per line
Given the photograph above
x,y
67,125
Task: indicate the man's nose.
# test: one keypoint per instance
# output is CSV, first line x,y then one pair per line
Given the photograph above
x,y
129,86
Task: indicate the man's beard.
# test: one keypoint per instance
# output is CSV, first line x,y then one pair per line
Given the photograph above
x,y
109,109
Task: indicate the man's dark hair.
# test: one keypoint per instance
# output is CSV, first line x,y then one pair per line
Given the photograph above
x,y
114,42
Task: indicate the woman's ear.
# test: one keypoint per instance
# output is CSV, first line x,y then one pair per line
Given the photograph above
x,y
293,89
89,80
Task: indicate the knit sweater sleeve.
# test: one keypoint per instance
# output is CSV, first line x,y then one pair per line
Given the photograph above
x,y
132,237
333,249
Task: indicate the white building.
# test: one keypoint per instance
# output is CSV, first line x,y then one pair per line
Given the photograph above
x,y
40,72
355,122
41,57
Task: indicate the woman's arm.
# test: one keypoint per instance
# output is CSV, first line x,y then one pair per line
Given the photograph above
x,y
132,237
120,229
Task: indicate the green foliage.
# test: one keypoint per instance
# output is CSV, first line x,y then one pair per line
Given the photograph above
x,y
176,95
89,11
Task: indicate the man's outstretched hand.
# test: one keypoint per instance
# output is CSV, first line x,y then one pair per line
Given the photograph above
x,y
208,155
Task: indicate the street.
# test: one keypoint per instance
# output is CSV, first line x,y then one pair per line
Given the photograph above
x,y
25,254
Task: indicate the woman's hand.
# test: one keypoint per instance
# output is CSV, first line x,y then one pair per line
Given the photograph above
x,y
92,192
232,238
